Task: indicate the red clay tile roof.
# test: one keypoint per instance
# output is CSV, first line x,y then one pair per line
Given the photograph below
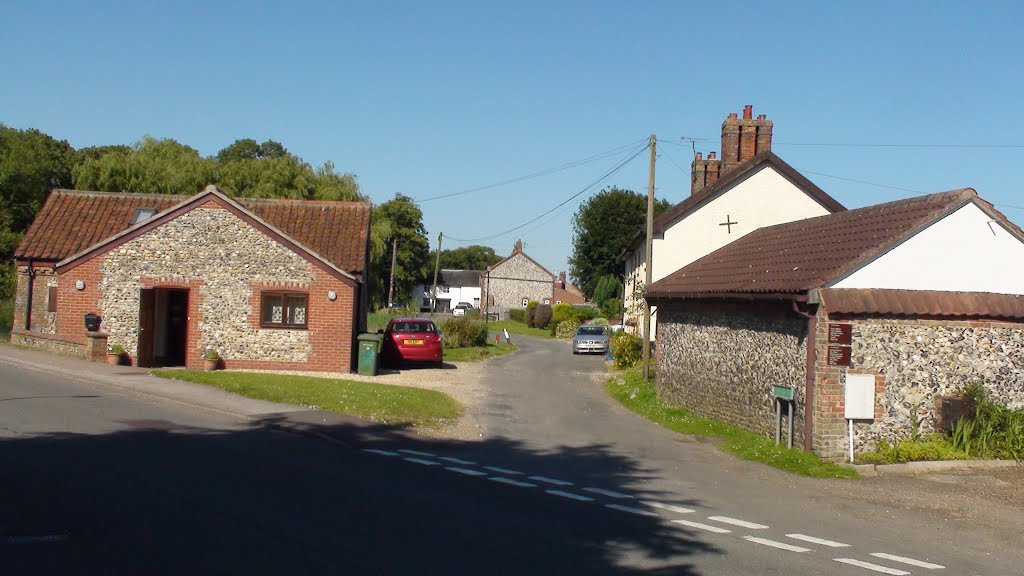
x,y
922,303
71,221
799,256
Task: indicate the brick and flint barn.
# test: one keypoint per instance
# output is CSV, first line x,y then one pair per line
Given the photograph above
x,y
272,284
900,305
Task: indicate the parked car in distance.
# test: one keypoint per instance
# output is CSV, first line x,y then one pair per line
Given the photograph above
x,y
412,340
460,308
590,339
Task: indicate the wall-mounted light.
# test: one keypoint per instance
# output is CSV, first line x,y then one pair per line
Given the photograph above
x,y
332,295
79,285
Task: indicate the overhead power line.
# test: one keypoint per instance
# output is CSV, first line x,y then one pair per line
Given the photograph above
x,y
683,142
574,164
604,176
861,181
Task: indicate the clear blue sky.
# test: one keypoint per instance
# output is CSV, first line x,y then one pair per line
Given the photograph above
x,y
431,98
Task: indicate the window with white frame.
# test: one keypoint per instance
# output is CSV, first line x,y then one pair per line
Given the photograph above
x,y
526,302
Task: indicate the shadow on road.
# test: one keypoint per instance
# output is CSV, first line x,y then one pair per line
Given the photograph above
x,y
160,498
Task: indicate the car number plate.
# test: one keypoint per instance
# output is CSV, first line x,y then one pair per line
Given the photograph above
x,y
414,342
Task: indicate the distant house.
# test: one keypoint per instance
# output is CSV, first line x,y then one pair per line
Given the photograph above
x,y
748,188
899,304
519,279
453,287
275,284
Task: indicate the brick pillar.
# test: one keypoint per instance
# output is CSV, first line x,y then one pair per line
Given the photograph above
x,y
96,346
730,143
764,133
748,135
711,170
698,171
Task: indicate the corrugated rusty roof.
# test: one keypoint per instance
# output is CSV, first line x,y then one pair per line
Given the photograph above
x,y
922,303
72,221
799,256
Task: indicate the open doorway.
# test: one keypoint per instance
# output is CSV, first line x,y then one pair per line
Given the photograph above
x,y
163,327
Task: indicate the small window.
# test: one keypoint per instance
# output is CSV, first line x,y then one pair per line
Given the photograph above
x,y
526,302
142,214
558,302
283,310
51,299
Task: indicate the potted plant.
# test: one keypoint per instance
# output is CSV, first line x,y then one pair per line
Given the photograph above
x,y
114,354
210,359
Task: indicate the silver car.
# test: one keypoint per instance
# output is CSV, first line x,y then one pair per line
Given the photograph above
x,y
590,339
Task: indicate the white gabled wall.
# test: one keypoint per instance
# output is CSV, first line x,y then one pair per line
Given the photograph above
x,y
963,252
765,198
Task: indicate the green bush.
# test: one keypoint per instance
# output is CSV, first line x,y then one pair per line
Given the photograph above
x,y
560,313
531,310
566,328
6,316
517,315
462,332
627,349
600,322
988,430
542,316
929,448
611,308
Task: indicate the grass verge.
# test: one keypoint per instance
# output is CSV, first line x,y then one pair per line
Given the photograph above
x,y
471,353
377,402
639,395
6,318
514,327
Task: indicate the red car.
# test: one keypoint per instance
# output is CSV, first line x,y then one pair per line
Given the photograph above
x,y
412,340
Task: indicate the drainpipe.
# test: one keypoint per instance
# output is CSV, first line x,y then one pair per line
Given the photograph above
x,y
812,328
28,299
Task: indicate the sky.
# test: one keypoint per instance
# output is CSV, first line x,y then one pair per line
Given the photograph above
x,y
444,98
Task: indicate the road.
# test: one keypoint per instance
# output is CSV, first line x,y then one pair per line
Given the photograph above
x,y
565,482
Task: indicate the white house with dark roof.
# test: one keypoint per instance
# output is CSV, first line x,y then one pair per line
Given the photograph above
x,y
748,188
878,315
453,286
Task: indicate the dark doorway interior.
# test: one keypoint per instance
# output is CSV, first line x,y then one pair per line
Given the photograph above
x,y
163,327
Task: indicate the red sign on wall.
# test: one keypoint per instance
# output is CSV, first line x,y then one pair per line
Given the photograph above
x,y
840,334
839,355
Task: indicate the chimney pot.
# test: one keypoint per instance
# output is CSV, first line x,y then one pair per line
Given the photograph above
x,y
732,115
748,111
700,156
712,155
761,116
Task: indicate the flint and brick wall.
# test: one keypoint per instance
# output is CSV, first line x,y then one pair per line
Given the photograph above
x,y
224,263
720,359
515,279
915,362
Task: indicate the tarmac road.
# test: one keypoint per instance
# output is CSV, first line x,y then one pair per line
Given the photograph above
x,y
565,481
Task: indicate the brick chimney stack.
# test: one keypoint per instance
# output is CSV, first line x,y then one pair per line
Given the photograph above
x,y
519,246
742,139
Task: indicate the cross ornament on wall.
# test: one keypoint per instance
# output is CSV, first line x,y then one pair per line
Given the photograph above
x,y
728,223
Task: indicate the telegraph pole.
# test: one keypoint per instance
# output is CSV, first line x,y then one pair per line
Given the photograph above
x,y
391,284
650,247
437,265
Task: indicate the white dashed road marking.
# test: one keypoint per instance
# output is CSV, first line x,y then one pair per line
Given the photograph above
x,y
669,507
822,541
905,560
466,471
870,566
736,522
457,461
570,495
554,481
608,493
416,453
502,470
774,544
381,452
700,526
424,462
512,482
631,510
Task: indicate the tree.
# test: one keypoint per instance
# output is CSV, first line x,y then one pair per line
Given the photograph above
x,y
603,228
468,258
607,288
249,149
151,166
404,220
31,164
